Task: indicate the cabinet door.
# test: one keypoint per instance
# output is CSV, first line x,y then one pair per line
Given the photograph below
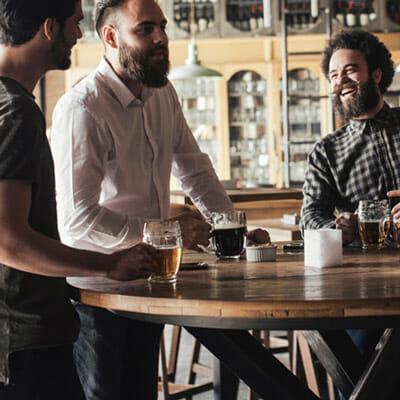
x,y
306,108
248,127
205,117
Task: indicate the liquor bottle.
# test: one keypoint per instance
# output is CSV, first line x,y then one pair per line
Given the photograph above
x,y
372,11
177,13
245,24
364,15
185,16
209,14
296,16
260,17
201,17
253,18
351,19
339,14
305,15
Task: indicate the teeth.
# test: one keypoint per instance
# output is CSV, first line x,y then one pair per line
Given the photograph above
x,y
345,92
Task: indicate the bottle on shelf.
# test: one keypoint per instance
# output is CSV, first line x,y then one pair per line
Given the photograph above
x,y
253,25
200,13
339,13
260,17
351,17
364,15
372,11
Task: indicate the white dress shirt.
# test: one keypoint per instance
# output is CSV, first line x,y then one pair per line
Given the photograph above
x,y
113,156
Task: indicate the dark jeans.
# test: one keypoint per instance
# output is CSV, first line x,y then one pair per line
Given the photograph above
x,y
42,374
365,341
116,357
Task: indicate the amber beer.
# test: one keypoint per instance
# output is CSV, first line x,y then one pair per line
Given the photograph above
x,y
167,262
370,234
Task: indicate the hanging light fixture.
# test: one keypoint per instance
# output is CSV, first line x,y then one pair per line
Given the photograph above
x,y
192,68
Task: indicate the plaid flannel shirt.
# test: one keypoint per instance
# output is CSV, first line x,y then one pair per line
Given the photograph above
x,y
360,161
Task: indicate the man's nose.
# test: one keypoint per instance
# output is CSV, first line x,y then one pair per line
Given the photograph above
x,y
160,37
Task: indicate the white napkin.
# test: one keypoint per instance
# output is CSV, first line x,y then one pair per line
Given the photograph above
x,y
323,248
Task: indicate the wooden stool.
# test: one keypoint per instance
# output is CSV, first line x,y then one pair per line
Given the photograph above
x,y
167,385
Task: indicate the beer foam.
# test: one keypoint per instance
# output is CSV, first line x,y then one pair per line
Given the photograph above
x,y
228,226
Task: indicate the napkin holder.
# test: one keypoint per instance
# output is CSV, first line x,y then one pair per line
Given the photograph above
x,y
323,248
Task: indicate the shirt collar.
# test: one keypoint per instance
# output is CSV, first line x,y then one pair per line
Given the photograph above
x,y
382,118
121,91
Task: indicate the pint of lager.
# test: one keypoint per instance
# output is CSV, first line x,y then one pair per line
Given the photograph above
x,y
166,237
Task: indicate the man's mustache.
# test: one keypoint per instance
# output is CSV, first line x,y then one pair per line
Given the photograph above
x,y
348,85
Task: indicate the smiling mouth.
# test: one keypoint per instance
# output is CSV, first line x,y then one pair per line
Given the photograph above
x,y
347,91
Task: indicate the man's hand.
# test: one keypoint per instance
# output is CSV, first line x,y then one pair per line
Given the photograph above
x,y
195,230
258,236
396,209
347,222
134,263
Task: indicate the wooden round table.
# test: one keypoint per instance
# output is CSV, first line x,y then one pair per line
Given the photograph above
x,y
220,303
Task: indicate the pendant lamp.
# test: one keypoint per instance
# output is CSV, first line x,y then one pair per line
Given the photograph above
x,y
192,68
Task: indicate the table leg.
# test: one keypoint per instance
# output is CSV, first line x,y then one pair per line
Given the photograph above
x,y
226,384
253,363
343,363
338,355
381,375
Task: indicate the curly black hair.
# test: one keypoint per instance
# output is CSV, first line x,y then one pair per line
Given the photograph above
x,y
376,53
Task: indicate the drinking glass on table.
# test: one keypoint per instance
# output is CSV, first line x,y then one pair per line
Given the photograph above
x,y
228,233
370,214
166,237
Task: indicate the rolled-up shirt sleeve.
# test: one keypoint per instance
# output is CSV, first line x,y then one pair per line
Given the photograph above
x,y
196,173
319,193
81,149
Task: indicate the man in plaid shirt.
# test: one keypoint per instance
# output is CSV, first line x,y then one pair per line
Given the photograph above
x,y
361,160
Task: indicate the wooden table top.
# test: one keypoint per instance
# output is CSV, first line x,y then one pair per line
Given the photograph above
x,y
368,284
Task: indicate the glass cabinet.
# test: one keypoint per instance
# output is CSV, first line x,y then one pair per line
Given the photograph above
x,y
248,140
203,115
305,104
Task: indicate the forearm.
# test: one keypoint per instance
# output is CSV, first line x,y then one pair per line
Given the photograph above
x,y
30,251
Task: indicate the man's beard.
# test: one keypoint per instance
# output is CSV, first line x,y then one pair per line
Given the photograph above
x,y
139,67
60,53
365,100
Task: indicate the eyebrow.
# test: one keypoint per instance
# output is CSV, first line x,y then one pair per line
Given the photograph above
x,y
163,22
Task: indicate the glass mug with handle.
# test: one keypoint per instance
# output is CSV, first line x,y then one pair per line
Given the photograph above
x,y
166,237
373,230
228,233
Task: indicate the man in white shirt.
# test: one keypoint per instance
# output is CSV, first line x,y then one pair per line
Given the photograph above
x,y
116,137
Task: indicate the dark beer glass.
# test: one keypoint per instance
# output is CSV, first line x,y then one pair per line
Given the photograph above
x,y
229,233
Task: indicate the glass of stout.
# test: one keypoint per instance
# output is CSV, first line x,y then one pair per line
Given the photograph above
x,y
228,233
166,237
370,213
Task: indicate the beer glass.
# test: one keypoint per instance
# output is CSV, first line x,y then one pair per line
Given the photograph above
x,y
166,237
369,214
228,233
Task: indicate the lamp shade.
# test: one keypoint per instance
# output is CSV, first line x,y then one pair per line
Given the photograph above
x,y
192,68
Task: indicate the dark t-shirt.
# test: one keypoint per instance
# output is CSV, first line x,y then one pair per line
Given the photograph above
x,y
34,310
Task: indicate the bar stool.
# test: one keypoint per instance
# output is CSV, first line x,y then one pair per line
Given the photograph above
x,y
167,384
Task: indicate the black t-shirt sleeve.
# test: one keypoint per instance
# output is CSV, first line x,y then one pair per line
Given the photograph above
x,y
20,143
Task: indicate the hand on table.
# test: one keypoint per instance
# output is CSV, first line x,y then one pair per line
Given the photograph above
x,y
134,263
258,236
347,222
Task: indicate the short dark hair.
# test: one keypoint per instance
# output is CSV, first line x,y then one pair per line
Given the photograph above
x,y
375,52
102,10
20,20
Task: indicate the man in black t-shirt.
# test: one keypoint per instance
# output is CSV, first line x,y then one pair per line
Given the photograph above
x,y
37,321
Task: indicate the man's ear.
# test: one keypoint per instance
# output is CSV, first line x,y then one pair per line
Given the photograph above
x,y
50,28
377,75
110,36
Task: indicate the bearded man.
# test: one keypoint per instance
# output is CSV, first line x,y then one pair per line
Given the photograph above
x,y
116,137
361,160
